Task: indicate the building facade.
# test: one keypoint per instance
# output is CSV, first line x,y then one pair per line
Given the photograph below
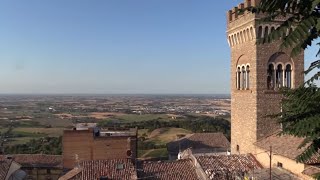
x,y
258,71
94,144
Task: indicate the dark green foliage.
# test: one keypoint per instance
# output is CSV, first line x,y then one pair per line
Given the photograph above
x,y
46,145
301,107
301,117
302,21
192,123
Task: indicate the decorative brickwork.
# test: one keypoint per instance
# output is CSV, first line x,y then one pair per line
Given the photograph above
x,y
253,102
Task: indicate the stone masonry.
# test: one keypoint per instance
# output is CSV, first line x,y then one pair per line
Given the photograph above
x,y
250,106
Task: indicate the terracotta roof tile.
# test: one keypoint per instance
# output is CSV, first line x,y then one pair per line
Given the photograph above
x,y
199,141
285,145
227,166
4,167
37,160
176,170
112,169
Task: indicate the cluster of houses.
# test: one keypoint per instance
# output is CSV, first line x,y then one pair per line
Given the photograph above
x,y
106,154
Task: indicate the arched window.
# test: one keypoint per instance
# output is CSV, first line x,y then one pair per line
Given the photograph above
x,y
279,76
244,78
272,29
279,73
266,31
271,77
247,78
238,81
260,32
287,76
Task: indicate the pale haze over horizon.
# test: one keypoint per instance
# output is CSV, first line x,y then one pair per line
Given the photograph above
x,y
115,47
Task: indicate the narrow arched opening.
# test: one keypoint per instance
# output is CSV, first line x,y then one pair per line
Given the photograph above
x,y
279,76
287,76
270,77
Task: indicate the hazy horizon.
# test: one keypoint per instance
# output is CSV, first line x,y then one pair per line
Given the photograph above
x,y
115,47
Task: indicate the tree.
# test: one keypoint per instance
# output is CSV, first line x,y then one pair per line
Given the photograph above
x,y
300,114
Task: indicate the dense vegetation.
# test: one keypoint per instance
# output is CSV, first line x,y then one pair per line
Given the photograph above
x,y
301,108
53,145
46,145
192,123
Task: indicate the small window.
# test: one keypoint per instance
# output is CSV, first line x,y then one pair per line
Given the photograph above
x,y
287,76
247,78
238,148
279,164
279,76
238,84
271,77
260,32
266,32
244,78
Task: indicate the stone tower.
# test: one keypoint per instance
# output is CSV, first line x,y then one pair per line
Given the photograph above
x,y
257,73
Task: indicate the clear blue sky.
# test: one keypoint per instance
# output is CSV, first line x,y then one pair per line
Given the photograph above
x,y
114,46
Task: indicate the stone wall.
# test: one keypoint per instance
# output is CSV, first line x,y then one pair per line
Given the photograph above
x,y
250,108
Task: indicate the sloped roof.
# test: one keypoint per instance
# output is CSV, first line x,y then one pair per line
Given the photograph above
x,y
37,160
285,145
176,170
312,170
111,169
71,175
4,167
276,173
227,166
199,141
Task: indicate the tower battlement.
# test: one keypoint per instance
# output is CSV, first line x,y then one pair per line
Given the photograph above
x,y
232,14
234,18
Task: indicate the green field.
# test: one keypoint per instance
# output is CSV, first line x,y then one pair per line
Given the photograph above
x,y
143,117
161,137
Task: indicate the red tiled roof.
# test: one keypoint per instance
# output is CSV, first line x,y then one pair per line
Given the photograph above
x,y
4,167
37,160
199,141
285,145
112,169
227,166
177,170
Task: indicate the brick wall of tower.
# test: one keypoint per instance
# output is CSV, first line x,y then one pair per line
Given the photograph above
x,y
268,101
250,108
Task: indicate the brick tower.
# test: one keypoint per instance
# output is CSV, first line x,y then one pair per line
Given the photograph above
x,y
257,73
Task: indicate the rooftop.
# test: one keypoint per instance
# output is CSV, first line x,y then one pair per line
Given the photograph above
x,y
4,167
110,169
285,145
176,170
226,166
35,160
